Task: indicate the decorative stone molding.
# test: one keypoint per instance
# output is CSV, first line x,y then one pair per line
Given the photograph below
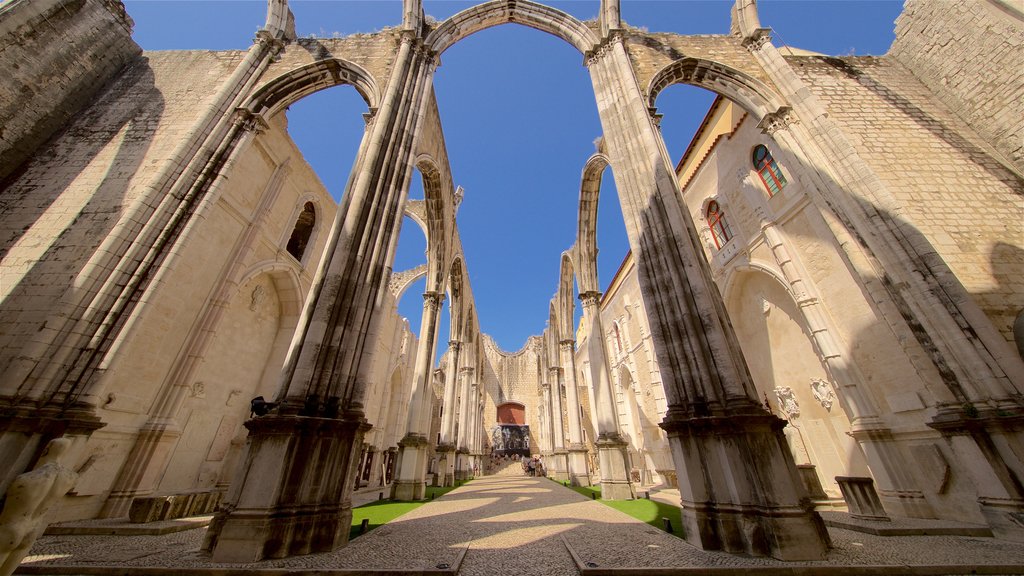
x,y
757,39
433,300
567,345
781,119
602,49
592,298
400,280
249,121
259,294
823,393
787,402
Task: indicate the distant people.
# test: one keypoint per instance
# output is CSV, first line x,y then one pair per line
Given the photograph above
x,y
540,466
29,497
533,466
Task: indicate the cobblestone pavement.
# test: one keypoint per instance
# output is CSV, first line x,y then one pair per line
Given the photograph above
x,y
515,526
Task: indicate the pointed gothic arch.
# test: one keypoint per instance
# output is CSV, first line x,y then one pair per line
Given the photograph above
x,y
497,12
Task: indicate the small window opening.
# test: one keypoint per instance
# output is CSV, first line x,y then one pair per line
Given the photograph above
x,y
303,230
768,170
719,225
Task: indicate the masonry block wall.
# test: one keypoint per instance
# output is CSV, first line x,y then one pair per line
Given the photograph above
x,y
970,53
61,52
947,184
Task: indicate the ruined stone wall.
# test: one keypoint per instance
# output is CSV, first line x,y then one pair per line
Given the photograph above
x,y
512,377
947,185
67,215
57,54
969,54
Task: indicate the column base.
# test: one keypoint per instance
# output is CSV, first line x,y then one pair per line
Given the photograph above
x,y
559,465
615,484
446,465
411,467
274,510
766,512
577,458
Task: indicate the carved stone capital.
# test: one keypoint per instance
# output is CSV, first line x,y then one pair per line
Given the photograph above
x,y
467,370
433,300
603,48
554,370
454,345
246,120
568,345
267,40
757,39
781,119
591,298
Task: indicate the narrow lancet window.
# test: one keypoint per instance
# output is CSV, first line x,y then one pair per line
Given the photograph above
x,y
768,170
303,230
719,225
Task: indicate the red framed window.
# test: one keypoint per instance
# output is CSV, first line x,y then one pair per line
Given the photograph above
x,y
719,225
768,170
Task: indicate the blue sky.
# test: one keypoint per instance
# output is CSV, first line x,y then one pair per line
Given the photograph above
x,y
519,119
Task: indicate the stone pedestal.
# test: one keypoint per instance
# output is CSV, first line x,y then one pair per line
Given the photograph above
x,y
558,464
463,465
446,465
577,458
615,484
812,484
740,490
409,483
284,514
861,498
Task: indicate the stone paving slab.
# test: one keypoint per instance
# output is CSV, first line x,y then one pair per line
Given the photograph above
x,y
124,527
520,526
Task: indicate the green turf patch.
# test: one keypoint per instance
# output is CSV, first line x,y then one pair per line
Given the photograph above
x,y
649,511
383,511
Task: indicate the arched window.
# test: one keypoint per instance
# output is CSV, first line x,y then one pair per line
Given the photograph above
x,y
718,224
303,230
768,170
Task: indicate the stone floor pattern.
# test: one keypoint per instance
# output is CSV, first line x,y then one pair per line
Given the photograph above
x,y
516,526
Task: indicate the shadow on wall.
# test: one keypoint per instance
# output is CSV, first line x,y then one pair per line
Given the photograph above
x,y
86,172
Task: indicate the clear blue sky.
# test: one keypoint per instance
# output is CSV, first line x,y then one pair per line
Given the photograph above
x,y
519,119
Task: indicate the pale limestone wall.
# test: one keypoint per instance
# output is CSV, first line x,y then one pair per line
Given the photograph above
x,y
947,184
239,253
775,337
68,202
513,377
57,54
970,54
636,381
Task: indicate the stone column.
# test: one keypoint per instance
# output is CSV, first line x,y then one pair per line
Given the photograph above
x,y
577,460
719,432
411,468
611,448
447,447
557,466
462,438
292,492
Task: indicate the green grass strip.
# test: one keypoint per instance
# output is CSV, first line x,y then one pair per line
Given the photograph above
x,y
383,511
649,511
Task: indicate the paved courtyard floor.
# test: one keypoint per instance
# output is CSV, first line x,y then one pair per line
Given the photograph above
x,y
521,526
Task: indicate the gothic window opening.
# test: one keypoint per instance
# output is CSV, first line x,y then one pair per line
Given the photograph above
x,y
303,230
768,170
720,230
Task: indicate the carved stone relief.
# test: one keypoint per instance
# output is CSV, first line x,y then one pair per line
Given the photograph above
x,y
823,393
787,402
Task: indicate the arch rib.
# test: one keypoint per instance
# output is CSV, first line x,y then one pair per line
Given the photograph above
x,y
586,231
296,84
752,94
489,14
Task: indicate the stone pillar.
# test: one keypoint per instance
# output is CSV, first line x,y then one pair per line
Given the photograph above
x,y
448,418
558,464
463,439
719,433
611,448
577,460
292,492
411,469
